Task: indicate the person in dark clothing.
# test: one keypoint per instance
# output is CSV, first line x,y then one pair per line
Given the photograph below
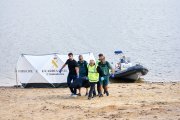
x,y
104,75
73,72
83,72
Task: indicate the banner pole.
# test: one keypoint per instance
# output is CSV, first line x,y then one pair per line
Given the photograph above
x,y
16,78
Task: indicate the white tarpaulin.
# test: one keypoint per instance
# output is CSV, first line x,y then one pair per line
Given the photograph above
x,y
44,69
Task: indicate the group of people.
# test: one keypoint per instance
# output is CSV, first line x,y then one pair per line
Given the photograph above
x,y
96,72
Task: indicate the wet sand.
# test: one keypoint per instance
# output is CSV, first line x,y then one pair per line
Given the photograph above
x,y
136,101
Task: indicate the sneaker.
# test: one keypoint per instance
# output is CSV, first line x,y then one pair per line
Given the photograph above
x,y
100,95
107,93
74,95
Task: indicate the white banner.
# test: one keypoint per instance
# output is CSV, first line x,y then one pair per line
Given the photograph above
x,y
44,68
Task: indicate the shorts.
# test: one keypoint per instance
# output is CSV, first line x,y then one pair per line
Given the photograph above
x,y
104,82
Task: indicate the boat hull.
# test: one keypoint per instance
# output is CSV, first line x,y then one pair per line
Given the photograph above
x,y
133,73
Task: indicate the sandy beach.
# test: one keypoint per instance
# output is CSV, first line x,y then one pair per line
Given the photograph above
x,y
136,101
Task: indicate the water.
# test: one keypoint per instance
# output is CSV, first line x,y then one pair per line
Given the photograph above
x,y
148,31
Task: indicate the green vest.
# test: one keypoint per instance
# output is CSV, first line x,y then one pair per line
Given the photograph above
x,y
93,75
82,68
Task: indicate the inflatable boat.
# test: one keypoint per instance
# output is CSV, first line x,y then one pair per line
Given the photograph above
x,y
126,72
132,73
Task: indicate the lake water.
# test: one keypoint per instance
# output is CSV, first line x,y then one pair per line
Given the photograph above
x,y
148,31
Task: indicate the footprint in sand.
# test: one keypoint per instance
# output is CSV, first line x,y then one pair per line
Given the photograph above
x,y
155,117
120,96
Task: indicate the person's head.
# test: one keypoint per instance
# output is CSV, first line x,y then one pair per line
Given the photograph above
x,y
101,57
70,55
91,62
80,57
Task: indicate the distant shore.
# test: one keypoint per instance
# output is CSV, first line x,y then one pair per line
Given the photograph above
x,y
126,101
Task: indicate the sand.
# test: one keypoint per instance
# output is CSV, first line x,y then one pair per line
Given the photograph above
x,y
137,101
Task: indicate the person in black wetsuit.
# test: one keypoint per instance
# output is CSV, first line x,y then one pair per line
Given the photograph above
x,y
73,72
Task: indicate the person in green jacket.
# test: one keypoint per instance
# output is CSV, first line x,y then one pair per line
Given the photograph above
x,y
93,77
104,75
83,71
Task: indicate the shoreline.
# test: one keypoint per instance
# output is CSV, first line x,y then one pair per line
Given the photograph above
x,y
141,82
